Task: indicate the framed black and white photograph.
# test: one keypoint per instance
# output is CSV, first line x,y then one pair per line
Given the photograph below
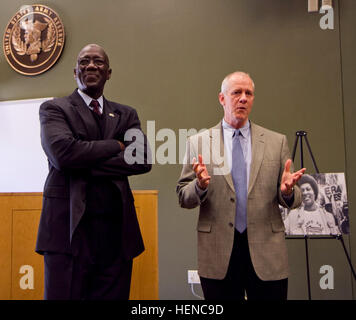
x,y
324,208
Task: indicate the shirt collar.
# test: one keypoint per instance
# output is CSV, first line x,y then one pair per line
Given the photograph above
x,y
88,99
245,130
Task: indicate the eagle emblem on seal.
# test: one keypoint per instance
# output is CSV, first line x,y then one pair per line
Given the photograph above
x,y
33,39
32,44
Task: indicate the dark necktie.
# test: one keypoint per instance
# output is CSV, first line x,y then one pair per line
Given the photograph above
x,y
239,177
96,106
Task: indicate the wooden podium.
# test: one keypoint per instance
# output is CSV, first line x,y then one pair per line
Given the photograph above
x,y
21,276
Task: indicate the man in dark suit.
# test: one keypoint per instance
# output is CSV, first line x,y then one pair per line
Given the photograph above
x,y
241,241
88,231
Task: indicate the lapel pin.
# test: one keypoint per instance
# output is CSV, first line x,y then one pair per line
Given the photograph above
x,y
111,115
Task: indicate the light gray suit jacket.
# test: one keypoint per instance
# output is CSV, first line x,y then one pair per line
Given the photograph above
x,y
216,222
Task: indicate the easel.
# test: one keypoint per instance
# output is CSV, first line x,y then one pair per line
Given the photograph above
x,y
299,136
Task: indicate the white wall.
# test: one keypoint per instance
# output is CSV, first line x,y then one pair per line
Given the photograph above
x,y
23,164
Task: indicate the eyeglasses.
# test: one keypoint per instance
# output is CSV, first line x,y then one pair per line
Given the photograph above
x,y
97,62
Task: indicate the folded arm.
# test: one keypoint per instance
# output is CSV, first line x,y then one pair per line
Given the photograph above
x,y
63,149
108,157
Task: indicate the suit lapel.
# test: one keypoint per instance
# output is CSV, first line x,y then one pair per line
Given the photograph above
x,y
258,147
218,151
85,115
112,117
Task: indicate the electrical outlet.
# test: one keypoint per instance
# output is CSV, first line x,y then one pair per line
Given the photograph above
x,y
193,276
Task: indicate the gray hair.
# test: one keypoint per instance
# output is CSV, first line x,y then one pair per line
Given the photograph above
x,y
226,80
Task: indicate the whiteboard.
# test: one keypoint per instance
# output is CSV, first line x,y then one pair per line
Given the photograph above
x,y
23,164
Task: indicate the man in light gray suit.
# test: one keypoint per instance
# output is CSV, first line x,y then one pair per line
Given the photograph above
x,y
238,173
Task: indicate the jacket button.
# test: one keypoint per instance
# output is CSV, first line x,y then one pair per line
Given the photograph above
x,y
231,224
232,199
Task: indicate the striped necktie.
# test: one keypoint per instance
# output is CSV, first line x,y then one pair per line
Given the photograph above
x,y
96,106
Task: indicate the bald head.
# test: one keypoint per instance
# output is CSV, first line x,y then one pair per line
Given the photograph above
x,y
237,74
97,47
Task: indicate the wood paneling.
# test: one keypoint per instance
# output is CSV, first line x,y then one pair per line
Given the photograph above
x,y
19,217
144,284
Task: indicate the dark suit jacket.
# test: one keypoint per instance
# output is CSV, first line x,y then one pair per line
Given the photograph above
x,y
265,228
71,140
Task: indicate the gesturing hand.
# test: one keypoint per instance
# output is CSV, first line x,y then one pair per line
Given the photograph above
x,y
201,172
289,179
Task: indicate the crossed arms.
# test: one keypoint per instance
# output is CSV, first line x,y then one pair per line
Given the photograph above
x,y
66,150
